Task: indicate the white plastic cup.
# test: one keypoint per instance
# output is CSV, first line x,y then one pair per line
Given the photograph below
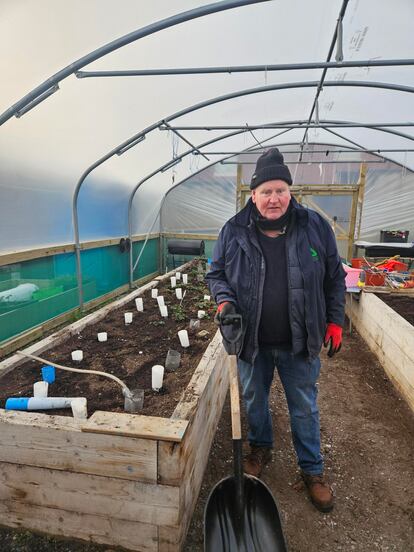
x,y
160,300
128,317
179,293
40,389
164,311
201,314
185,278
183,337
139,304
157,377
79,408
102,336
154,293
178,276
206,298
77,355
173,281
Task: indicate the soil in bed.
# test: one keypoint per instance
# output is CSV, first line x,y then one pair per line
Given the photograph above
x,y
129,353
402,304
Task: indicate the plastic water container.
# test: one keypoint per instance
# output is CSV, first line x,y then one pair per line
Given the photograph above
x,y
172,361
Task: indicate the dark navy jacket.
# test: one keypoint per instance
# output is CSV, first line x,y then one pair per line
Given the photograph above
x,y
316,279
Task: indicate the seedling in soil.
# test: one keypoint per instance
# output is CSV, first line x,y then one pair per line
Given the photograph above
x,y
158,322
178,313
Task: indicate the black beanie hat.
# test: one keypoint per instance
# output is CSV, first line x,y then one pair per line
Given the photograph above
x,y
270,166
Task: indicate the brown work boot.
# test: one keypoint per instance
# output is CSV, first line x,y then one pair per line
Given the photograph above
x,y
256,460
319,491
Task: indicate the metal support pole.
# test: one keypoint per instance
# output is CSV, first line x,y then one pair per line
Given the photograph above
x,y
244,68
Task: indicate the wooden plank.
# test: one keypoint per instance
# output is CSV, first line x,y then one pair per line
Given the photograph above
x,y
90,494
182,236
134,425
11,257
56,442
141,537
391,338
172,460
401,331
193,454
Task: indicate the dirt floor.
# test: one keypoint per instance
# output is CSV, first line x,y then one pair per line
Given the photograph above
x,y
368,443
129,353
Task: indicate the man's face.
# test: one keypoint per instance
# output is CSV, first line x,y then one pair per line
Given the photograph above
x,y
272,198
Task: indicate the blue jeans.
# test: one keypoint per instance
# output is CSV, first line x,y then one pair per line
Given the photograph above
x,y
298,376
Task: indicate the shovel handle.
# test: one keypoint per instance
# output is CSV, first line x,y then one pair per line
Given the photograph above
x,y
234,398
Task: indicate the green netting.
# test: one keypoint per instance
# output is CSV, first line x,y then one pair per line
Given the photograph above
x,y
33,292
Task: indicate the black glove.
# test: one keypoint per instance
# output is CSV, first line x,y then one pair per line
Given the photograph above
x,y
223,310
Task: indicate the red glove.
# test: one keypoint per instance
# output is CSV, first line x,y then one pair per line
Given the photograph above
x,y
333,337
223,310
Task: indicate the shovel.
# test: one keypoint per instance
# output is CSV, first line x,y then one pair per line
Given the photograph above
x,y
241,514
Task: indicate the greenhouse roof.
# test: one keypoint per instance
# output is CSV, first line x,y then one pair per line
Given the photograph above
x,y
102,95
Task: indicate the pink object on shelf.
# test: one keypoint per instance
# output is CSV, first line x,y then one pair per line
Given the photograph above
x,y
352,276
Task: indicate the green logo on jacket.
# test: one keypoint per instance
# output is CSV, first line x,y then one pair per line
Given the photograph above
x,y
314,254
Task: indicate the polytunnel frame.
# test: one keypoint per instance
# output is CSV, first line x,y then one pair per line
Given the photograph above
x,y
248,150
241,152
49,86
140,136
241,93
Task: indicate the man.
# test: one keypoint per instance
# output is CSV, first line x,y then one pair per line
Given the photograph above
x,y
277,264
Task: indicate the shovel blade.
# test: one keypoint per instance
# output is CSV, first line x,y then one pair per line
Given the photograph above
x,y
253,526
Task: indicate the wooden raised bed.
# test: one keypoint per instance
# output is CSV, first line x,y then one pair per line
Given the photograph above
x,y
390,337
119,479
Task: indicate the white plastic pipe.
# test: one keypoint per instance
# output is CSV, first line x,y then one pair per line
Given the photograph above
x,y
128,317
157,377
38,403
40,389
77,355
125,389
183,337
79,408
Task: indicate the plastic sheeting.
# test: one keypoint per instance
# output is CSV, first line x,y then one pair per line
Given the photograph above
x,y
44,153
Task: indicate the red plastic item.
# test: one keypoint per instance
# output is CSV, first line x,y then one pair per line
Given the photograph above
x,y
374,279
392,266
357,262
